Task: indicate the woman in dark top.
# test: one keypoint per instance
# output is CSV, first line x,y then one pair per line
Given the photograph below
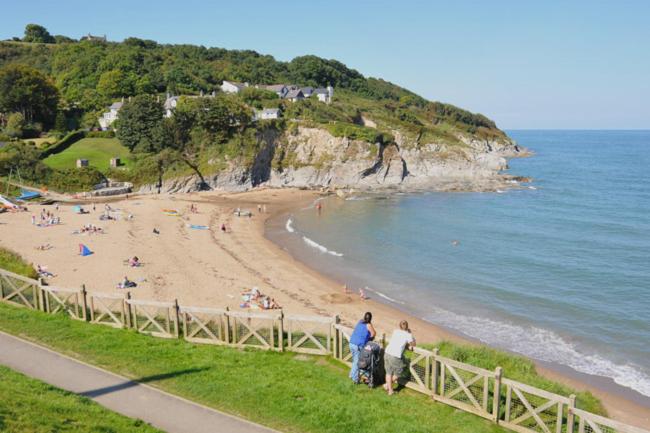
x,y
363,332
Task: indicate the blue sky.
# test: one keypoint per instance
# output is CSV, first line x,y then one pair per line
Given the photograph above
x,y
526,64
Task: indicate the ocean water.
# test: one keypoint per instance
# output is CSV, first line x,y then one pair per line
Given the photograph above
x,y
558,270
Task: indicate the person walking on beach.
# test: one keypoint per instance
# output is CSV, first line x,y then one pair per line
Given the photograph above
x,y
363,332
394,361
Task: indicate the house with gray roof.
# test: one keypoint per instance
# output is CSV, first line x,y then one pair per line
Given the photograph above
x,y
111,115
295,95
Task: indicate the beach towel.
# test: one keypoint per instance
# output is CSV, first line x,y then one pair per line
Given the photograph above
x,y
84,250
198,227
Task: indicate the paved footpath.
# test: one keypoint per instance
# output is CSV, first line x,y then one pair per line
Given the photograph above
x,y
119,394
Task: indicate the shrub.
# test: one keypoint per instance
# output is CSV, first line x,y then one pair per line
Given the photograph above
x,y
75,179
63,144
100,134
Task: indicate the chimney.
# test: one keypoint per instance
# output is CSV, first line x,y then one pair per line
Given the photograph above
x,y
214,93
201,93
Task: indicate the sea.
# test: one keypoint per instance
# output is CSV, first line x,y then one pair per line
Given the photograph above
x,y
557,269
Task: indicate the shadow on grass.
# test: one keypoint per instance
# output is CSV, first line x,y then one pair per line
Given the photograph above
x,y
131,383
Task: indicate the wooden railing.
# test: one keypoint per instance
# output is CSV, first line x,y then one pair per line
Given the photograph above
x,y
511,404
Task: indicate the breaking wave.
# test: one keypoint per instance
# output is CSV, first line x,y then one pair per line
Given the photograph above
x,y
320,247
289,226
543,345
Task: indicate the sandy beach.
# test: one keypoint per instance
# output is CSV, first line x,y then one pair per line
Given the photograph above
x,y
204,266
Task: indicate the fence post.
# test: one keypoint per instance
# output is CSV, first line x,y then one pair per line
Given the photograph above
x,y
175,318
126,310
496,397
436,373
84,303
227,326
570,418
281,332
40,300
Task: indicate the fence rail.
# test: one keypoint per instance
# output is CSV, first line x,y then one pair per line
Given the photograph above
x,y
511,404
19,290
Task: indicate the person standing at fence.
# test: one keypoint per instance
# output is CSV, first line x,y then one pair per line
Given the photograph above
x,y
394,361
363,332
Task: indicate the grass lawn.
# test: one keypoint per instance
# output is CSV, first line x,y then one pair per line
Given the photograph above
x,y
29,405
98,152
286,391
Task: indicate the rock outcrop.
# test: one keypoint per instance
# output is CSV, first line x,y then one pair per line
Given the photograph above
x,y
313,158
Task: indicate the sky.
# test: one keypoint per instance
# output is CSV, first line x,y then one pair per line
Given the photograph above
x,y
526,64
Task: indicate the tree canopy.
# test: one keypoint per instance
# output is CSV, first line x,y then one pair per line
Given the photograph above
x,y
140,125
29,92
37,33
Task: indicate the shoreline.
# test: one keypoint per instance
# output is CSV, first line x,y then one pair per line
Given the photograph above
x,y
210,268
621,402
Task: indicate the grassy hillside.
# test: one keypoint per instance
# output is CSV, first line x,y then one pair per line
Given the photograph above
x,y
12,262
98,152
212,133
91,75
28,405
287,391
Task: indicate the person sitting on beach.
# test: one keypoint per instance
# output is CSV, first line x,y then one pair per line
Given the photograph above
x,y
274,305
155,231
126,283
266,303
43,272
394,361
134,262
362,294
363,332
223,227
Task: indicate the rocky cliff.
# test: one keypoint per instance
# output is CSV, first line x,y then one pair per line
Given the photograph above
x,y
313,158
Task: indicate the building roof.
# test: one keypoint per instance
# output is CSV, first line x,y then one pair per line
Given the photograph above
x,y
116,105
240,86
296,93
308,89
271,111
321,91
276,87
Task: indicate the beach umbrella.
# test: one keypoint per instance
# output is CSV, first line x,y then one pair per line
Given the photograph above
x,y
84,250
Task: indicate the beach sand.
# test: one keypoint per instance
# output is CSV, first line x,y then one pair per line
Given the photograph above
x,y
209,268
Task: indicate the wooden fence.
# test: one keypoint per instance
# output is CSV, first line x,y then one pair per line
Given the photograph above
x,y
511,404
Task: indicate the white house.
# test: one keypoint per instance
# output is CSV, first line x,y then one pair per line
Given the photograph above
x,y
325,95
110,116
267,113
232,86
170,105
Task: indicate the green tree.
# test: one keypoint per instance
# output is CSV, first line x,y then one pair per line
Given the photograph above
x,y
114,84
60,123
15,125
27,91
140,124
36,33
